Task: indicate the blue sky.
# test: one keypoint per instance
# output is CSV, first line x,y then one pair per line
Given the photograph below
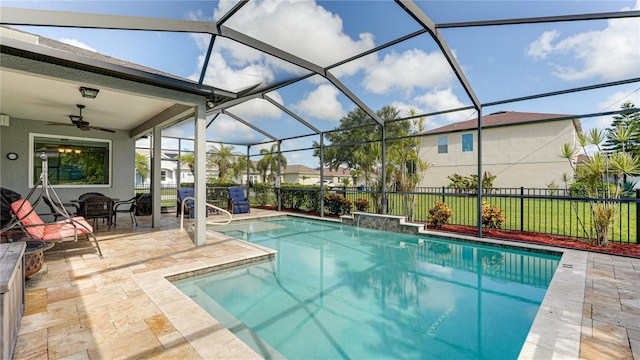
x,y
499,62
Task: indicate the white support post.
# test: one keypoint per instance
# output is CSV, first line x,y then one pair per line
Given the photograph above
x,y
200,178
156,183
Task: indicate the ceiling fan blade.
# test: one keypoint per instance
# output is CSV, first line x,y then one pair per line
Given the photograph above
x,y
58,124
102,129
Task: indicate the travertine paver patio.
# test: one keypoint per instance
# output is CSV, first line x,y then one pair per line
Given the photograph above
x,y
122,307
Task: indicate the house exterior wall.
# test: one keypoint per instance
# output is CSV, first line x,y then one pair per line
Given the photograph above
x,y
14,174
525,155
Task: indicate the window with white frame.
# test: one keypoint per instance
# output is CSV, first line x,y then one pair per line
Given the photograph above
x,y
443,144
72,161
467,142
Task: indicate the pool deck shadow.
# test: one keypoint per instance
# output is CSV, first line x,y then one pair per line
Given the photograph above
x,y
79,306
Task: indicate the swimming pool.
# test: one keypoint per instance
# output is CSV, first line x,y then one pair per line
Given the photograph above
x,y
338,292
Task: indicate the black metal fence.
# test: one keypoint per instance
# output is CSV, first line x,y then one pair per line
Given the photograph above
x,y
547,211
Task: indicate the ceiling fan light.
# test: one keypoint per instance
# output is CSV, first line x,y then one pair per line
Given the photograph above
x,y
89,92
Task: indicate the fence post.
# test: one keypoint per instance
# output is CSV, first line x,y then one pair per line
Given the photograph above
x,y
443,194
521,208
637,216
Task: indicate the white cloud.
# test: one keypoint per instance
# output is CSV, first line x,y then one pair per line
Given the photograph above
x,y
221,75
229,130
610,54
322,103
404,71
302,28
258,108
77,43
444,99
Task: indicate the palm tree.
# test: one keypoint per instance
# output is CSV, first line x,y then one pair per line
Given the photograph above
x,y
189,159
240,165
142,166
225,160
269,162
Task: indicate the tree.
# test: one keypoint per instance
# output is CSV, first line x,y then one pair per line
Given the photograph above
x,y
594,177
225,160
240,166
357,145
142,166
269,162
190,160
624,133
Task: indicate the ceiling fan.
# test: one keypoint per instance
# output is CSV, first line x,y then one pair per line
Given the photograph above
x,y
78,121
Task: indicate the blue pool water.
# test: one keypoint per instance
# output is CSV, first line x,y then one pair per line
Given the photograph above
x,y
340,292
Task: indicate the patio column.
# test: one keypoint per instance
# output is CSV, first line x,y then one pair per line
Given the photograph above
x,y
322,174
479,198
279,179
384,169
200,175
156,183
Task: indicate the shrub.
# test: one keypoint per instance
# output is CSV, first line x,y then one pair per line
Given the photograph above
x,y
361,204
336,204
439,215
262,193
492,217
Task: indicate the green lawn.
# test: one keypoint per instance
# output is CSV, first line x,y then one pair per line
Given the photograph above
x,y
549,216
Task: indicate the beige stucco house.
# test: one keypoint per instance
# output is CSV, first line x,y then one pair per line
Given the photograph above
x,y
521,149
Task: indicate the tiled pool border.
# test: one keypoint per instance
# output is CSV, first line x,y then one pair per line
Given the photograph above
x,y
555,332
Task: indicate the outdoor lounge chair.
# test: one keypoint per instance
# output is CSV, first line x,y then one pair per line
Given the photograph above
x,y
188,206
238,203
66,229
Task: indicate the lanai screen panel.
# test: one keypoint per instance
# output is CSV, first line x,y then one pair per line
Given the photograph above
x,y
409,76
270,118
323,32
237,67
317,101
523,60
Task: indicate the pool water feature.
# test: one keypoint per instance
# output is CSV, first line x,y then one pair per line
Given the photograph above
x,y
341,292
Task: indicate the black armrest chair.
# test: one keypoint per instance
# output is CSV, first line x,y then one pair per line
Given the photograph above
x,y
98,207
139,205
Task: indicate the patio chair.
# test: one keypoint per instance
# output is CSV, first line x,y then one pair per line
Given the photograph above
x,y
188,206
238,203
98,207
62,230
84,197
139,205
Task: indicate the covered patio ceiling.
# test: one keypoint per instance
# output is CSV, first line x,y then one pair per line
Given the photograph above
x,y
288,69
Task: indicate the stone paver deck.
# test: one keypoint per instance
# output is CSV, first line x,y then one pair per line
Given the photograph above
x,y
122,307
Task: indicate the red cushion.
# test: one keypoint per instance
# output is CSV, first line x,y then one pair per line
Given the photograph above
x,y
25,214
52,231
66,228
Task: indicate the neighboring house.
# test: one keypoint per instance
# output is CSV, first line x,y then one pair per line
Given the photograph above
x,y
169,169
521,149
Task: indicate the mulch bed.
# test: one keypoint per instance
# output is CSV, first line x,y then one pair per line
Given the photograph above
x,y
631,250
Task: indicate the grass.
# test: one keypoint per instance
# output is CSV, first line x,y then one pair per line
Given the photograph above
x,y
550,216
